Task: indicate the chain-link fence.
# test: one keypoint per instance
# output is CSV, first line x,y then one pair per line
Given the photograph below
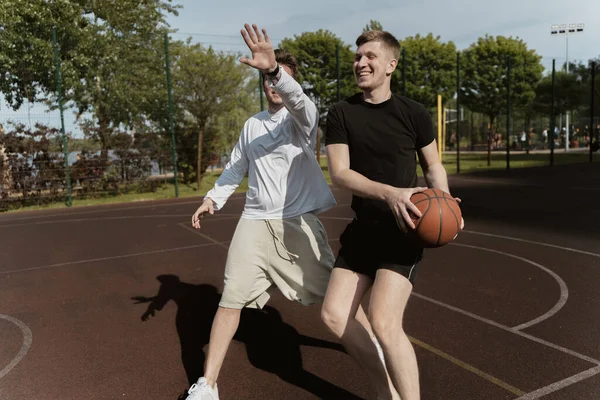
x,y
162,118
131,130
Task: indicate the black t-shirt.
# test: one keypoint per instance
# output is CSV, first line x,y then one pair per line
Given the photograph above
x,y
383,140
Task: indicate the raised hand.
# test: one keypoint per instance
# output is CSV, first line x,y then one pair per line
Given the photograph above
x,y
263,54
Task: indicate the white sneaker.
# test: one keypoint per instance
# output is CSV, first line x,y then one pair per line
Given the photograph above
x,y
201,390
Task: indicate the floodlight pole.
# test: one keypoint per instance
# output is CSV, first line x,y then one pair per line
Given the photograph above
x,y
566,29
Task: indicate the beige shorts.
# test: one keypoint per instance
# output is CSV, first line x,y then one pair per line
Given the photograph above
x,y
293,254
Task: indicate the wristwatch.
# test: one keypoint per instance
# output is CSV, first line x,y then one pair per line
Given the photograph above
x,y
273,74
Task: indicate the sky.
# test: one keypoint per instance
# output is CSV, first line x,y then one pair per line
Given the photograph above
x,y
461,21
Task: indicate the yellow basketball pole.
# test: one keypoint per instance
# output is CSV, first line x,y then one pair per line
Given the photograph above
x,y
439,125
444,129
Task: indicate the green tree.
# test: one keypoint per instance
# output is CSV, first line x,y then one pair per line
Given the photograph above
x,y
111,53
569,93
86,30
583,75
317,66
317,54
26,53
430,69
125,83
373,25
484,80
206,85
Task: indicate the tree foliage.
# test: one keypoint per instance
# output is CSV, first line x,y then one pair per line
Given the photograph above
x,y
124,84
570,93
26,52
430,69
206,86
317,66
86,30
373,25
484,78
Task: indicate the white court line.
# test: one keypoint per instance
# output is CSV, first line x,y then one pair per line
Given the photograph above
x,y
512,330
564,291
508,329
62,221
516,331
490,322
186,226
106,208
552,387
503,327
109,208
27,340
589,253
68,220
500,182
560,384
107,258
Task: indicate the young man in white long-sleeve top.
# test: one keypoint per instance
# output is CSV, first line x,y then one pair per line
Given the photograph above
x,y
279,239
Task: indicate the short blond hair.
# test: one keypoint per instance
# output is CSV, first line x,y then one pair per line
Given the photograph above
x,y
387,39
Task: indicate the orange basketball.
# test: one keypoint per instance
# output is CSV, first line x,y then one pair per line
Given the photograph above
x,y
440,220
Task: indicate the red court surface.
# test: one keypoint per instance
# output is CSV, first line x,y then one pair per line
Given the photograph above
x,y
116,302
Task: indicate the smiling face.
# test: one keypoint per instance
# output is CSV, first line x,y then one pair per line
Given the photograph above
x,y
373,65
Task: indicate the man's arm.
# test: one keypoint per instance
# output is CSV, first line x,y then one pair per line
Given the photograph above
x,y
300,106
398,199
433,170
232,175
338,160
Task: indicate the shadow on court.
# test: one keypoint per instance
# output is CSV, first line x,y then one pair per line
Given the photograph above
x,y
271,344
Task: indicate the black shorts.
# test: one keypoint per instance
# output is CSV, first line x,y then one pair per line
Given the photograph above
x,y
370,246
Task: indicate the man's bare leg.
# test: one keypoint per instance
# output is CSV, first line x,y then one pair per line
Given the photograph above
x,y
224,326
389,297
344,294
364,321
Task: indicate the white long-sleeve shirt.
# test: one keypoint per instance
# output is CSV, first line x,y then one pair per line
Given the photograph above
x,y
277,151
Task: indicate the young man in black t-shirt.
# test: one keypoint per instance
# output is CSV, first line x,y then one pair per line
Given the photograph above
x,y
372,141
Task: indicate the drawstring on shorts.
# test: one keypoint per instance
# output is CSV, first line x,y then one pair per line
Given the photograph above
x,y
293,256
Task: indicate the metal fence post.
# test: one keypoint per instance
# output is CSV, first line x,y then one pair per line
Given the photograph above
x,y
458,112
62,119
552,114
260,91
508,112
171,121
403,71
337,71
592,105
